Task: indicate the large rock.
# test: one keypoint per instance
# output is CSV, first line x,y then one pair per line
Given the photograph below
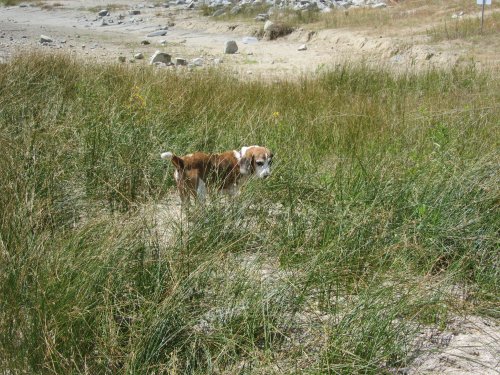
x,y
230,47
160,57
103,13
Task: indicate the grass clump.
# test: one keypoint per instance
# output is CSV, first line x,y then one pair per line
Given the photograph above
x,y
467,28
384,198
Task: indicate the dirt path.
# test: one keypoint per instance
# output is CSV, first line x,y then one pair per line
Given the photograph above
x,y
76,28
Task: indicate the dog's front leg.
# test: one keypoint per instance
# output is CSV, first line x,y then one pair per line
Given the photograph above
x,y
201,190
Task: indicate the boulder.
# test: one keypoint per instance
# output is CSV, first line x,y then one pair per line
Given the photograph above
x,y
230,47
160,57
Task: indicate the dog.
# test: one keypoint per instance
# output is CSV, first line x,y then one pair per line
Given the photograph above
x,y
196,173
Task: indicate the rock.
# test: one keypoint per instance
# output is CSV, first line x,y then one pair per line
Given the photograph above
x,y
230,47
249,40
122,59
157,33
197,62
180,61
103,13
104,23
191,5
163,42
138,56
134,12
160,57
303,47
46,39
268,25
262,17
145,42
379,5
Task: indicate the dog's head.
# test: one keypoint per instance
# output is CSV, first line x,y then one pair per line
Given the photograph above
x,y
256,160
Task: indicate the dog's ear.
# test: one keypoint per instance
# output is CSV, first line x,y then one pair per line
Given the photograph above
x,y
177,162
246,165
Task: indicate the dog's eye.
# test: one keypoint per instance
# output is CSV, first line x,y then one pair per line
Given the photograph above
x,y
270,161
260,163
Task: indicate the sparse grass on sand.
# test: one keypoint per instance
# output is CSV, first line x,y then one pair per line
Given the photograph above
x,y
384,200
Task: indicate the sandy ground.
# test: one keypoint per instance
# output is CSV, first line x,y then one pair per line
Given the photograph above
x,y
76,28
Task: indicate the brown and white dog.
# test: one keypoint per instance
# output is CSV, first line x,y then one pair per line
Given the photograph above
x,y
196,173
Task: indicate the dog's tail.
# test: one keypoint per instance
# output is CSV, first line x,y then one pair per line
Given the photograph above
x,y
176,161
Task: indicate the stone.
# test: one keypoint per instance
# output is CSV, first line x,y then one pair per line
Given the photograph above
x,y
157,33
303,47
249,40
197,62
230,47
46,39
145,42
268,25
262,17
122,59
191,5
138,56
180,61
160,57
379,5
134,12
103,13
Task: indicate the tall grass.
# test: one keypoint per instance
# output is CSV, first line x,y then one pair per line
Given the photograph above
x,y
384,199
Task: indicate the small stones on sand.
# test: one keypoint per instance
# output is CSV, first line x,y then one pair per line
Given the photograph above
x,y
160,57
138,56
230,47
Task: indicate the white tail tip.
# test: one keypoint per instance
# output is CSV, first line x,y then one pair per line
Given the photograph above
x,y
166,155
